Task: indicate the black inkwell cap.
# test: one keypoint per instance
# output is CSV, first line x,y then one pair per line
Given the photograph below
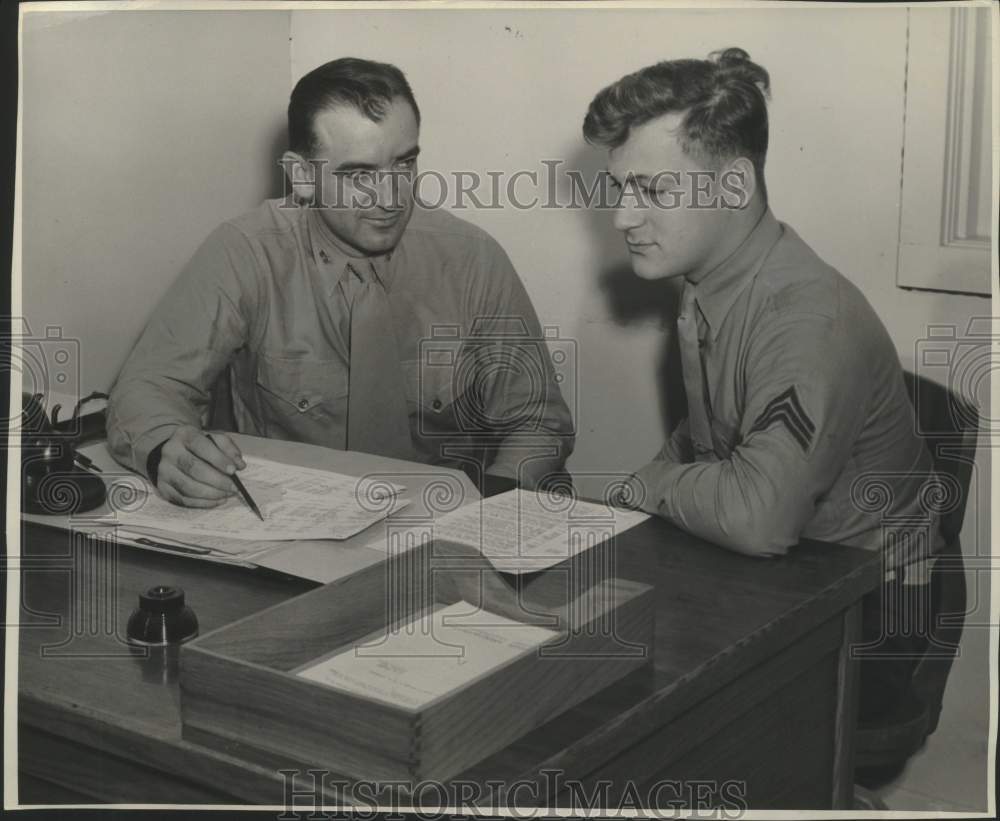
x,y
162,618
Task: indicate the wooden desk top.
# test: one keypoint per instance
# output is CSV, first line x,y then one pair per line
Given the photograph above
x,y
717,615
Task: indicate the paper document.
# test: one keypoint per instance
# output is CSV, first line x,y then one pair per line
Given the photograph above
x,y
218,544
172,547
429,657
524,532
297,503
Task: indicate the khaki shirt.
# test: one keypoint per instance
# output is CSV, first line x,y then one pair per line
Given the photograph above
x,y
813,431
265,296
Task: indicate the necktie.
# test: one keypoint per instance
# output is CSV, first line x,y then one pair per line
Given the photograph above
x,y
694,382
377,418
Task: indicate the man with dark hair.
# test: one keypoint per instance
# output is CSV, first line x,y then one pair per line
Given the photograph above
x,y
311,313
796,397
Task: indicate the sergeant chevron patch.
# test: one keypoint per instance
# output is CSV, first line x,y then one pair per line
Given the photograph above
x,y
786,409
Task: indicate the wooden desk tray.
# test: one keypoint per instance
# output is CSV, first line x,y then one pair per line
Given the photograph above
x,y
239,693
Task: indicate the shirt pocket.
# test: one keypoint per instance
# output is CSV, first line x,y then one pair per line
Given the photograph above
x,y
303,399
430,391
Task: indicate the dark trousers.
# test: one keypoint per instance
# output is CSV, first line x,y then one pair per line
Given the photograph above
x,y
910,634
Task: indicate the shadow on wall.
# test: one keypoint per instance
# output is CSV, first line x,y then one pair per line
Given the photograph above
x,y
631,300
276,176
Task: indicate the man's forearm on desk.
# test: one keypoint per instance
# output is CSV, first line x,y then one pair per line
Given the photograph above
x,y
140,421
140,452
726,504
530,458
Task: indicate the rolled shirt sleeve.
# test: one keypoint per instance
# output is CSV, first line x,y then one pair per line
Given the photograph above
x,y
167,379
802,415
678,446
523,403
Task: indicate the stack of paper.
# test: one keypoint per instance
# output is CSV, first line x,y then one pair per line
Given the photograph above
x,y
297,503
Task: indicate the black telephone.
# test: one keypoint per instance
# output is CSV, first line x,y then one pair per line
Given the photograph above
x,y
52,481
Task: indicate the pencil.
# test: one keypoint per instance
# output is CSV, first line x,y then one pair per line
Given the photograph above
x,y
240,487
86,462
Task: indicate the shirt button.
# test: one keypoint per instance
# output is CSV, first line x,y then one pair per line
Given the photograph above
x,y
303,404
436,404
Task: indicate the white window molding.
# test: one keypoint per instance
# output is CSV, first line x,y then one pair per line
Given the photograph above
x,y
947,187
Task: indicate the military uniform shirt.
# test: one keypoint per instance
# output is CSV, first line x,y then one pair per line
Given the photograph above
x,y
813,433
267,295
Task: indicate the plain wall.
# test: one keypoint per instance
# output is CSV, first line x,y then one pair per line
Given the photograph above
x,y
141,132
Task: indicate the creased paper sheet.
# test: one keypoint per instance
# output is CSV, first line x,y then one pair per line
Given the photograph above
x,y
297,503
429,657
220,544
524,532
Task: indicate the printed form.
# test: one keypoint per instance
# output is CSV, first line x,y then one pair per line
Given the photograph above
x,y
524,532
429,657
297,503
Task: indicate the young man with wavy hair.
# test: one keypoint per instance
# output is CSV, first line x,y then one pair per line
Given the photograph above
x,y
796,397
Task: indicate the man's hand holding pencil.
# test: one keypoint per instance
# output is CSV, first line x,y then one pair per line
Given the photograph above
x,y
198,470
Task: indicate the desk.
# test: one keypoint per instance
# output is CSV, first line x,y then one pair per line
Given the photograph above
x,y
752,687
